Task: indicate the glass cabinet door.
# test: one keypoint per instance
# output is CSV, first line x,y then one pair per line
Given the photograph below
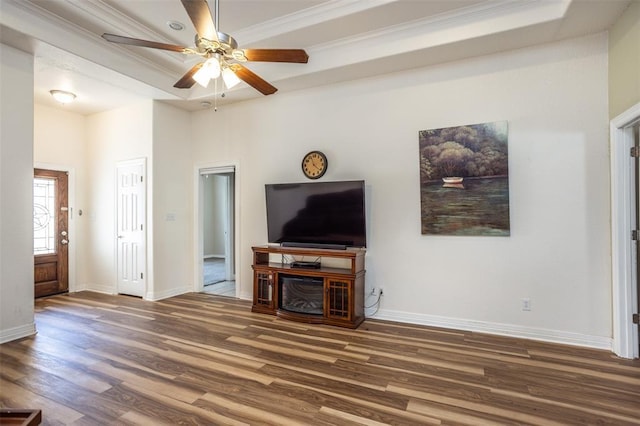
x,y
338,304
264,294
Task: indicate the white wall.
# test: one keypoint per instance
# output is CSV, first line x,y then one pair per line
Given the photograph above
x,y
113,136
16,194
92,146
60,143
558,255
172,203
624,61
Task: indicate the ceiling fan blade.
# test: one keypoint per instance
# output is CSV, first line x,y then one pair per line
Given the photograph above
x,y
276,55
253,79
143,43
198,11
187,81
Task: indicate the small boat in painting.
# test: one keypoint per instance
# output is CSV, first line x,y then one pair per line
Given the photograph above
x,y
452,179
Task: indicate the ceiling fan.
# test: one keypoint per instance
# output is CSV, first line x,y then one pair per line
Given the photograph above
x,y
220,51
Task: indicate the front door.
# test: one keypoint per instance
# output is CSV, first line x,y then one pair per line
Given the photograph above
x,y
50,232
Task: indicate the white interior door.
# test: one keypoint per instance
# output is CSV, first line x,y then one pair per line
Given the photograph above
x,y
131,215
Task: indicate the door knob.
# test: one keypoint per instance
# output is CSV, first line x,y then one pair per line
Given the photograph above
x,y
64,242
63,233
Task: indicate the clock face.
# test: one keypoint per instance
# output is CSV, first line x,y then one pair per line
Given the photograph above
x,y
314,164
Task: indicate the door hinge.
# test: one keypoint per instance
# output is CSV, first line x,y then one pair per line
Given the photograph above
x,y
141,179
634,152
636,319
141,276
634,235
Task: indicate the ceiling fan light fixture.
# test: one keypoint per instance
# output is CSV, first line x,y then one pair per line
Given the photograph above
x,y
201,77
230,78
209,70
62,96
215,48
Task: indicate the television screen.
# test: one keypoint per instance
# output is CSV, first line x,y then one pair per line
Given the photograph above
x,y
317,214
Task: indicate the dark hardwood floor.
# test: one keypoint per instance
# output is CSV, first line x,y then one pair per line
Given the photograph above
x,y
203,359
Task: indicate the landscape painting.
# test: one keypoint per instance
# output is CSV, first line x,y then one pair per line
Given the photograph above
x,y
464,180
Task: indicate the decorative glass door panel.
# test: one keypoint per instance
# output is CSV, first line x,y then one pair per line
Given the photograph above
x,y
339,300
264,290
44,216
50,235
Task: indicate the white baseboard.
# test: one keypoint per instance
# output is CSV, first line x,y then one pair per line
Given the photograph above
x,y
154,296
17,332
545,335
98,288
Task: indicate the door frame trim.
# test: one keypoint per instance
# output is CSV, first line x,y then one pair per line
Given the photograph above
x,y
198,220
623,251
71,224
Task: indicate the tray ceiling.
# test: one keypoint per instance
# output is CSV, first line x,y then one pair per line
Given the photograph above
x,y
345,39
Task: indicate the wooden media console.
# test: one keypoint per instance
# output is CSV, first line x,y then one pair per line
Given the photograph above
x,y
329,290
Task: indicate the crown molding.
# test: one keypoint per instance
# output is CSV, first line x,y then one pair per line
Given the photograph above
x,y
324,12
36,22
465,24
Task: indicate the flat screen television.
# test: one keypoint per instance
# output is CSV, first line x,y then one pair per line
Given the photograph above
x,y
317,214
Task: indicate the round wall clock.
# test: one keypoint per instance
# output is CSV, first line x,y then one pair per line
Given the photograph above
x,y
314,164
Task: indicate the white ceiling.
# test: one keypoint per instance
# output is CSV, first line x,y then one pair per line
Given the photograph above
x,y
345,40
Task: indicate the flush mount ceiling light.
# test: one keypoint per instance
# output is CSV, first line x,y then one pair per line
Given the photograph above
x,y
62,96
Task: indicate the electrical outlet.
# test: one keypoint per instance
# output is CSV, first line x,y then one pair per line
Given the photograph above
x,y
526,304
375,291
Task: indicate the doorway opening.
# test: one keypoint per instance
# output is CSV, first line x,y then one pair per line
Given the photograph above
x,y
217,234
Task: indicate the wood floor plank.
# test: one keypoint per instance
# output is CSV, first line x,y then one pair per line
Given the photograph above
x,y
478,406
209,416
250,413
342,417
419,360
338,353
64,392
208,351
60,368
15,396
164,387
611,411
375,409
454,415
199,359
256,396
287,351
137,419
